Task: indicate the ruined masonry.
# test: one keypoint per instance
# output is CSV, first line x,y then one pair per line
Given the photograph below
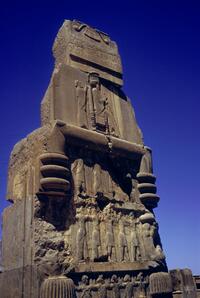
x,y
83,190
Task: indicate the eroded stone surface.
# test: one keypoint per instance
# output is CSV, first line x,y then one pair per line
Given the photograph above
x,y
82,185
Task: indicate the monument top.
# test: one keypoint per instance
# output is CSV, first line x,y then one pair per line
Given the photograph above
x,y
88,49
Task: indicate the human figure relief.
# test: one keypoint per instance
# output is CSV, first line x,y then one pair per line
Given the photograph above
x,y
81,240
128,291
122,242
154,232
81,97
134,248
109,240
159,254
141,286
78,172
92,94
133,197
95,240
102,287
97,179
85,287
115,285
107,217
112,125
148,240
101,116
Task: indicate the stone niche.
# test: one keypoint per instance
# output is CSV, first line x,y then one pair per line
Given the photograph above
x,y
82,187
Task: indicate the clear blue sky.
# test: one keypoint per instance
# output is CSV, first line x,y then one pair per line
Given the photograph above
x,y
159,42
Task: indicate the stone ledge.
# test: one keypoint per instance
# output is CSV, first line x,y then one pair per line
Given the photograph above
x,y
106,267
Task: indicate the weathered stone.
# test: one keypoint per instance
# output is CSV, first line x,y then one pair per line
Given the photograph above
x,y
82,187
89,50
183,283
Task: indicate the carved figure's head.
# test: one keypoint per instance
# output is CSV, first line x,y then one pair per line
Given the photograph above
x,y
93,79
114,278
100,279
127,278
85,280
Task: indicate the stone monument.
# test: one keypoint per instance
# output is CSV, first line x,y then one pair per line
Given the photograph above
x,y
82,187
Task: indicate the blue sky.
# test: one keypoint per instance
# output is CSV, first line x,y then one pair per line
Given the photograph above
x,y
159,42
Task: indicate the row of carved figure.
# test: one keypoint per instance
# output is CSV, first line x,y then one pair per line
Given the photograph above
x,y
120,239
93,180
93,176
114,287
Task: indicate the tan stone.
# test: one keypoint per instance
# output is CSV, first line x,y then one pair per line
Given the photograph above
x,y
82,185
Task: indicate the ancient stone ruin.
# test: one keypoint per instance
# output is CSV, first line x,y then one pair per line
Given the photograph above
x,y
83,190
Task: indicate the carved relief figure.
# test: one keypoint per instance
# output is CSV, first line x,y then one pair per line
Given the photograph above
x,y
146,162
148,240
97,179
134,248
134,197
141,286
101,115
81,241
82,104
112,125
106,183
79,178
102,288
154,232
115,287
132,193
128,291
86,289
110,243
122,242
95,240
92,94
159,254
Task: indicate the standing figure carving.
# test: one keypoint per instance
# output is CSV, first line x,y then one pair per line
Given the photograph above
x,y
141,286
81,241
112,125
79,178
102,288
110,243
115,287
122,241
95,240
159,254
134,248
92,97
148,240
128,291
97,179
86,289
101,116
82,104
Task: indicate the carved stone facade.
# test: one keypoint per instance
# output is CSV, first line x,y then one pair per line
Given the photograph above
x,y
82,186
